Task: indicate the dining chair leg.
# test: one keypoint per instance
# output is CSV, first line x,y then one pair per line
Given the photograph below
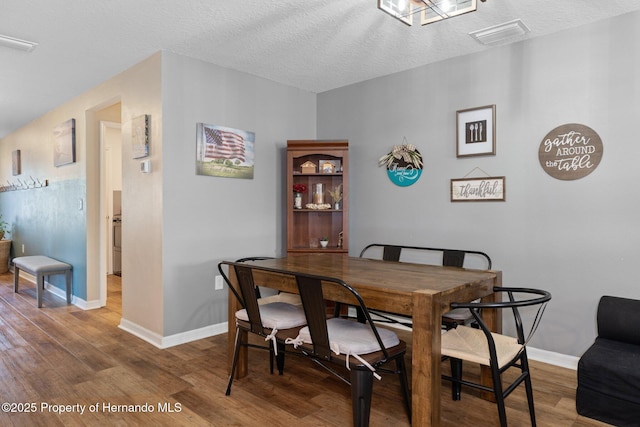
x,y
456,372
361,391
271,357
529,388
236,352
280,358
499,396
404,384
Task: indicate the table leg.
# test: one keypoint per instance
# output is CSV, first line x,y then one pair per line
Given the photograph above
x,y
425,360
233,306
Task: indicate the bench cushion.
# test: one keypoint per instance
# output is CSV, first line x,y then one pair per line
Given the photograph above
x,y
39,263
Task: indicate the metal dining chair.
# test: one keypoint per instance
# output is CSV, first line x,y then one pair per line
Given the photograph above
x,y
497,351
271,321
362,348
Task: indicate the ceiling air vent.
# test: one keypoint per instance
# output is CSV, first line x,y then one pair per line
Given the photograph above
x,y
501,32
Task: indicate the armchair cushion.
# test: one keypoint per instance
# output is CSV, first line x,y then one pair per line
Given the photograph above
x,y
611,368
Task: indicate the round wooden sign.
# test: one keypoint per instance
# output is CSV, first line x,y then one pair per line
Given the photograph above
x,y
571,151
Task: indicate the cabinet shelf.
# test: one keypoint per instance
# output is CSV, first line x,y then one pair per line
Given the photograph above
x,y
304,229
316,210
317,174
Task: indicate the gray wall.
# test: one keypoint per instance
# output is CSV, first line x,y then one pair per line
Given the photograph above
x,y
206,219
578,239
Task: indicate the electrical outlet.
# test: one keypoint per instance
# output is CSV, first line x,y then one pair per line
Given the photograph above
x,y
219,283
23,248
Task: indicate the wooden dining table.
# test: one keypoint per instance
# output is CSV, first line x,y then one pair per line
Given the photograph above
x,y
423,292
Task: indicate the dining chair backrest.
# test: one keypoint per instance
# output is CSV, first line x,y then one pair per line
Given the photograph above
x,y
313,303
254,258
247,296
427,255
517,298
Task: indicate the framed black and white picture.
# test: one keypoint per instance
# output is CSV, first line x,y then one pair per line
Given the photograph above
x,y
476,131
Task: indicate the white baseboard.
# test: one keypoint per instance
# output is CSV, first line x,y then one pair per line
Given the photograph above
x,y
552,358
161,342
78,302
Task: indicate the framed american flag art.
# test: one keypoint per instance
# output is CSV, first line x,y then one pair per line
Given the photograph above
x,y
225,152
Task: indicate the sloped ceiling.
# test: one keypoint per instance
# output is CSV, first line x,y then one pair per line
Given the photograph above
x,y
310,44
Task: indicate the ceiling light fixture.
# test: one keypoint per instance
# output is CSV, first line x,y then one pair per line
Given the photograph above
x,y
501,32
429,10
14,43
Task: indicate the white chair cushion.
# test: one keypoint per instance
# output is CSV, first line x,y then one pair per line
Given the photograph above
x,y
458,314
350,337
471,344
292,299
277,315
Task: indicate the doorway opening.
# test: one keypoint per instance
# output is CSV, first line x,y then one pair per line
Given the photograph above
x,y
110,152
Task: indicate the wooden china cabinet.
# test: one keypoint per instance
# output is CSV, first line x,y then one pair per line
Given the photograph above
x,y
321,168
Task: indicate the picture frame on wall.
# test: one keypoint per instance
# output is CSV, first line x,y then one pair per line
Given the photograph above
x,y
64,143
16,164
224,152
140,136
488,189
476,131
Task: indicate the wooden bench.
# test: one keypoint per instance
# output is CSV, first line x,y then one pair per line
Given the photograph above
x,y
41,267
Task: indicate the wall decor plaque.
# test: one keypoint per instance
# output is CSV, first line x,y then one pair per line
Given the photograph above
x,y
404,164
571,151
489,189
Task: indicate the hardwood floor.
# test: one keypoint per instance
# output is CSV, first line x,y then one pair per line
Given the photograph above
x,y
61,358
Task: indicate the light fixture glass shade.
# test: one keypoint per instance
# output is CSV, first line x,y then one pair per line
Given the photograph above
x,y
430,10
14,43
400,9
437,10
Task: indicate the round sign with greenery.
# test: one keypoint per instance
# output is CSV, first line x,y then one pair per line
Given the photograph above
x,y
404,164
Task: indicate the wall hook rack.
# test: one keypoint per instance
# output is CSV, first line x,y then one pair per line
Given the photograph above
x,y
24,185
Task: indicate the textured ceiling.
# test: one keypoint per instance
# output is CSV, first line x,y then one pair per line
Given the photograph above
x,y
316,45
